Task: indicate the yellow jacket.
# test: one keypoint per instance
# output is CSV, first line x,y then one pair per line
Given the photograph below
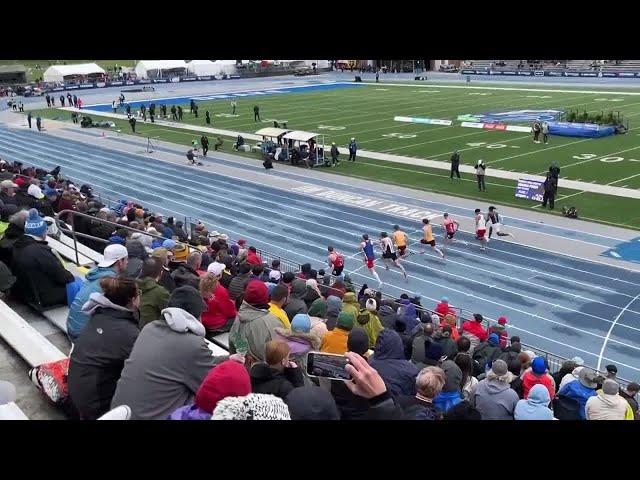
x,y
281,314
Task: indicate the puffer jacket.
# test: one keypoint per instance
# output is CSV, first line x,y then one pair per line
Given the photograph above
x,y
255,327
295,304
579,392
371,324
389,360
299,344
77,319
266,379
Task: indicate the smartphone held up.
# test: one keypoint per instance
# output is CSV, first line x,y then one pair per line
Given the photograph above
x,y
327,365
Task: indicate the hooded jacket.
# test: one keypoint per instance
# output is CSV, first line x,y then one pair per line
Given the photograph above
x,y
256,327
536,407
407,311
398,373
495,400
37,268
154,299
98,355
334,305
295,304
529,379
388,317
449,347
265,379
77,319
168,363
603,406
579,392
475,333
220,308
570,377
485,353
371,324
350,304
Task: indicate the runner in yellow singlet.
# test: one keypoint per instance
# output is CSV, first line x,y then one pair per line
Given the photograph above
x,y
428,237
400,239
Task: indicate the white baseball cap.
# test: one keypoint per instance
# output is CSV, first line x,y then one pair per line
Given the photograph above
x,y
275,275
112,254
35,192
216,268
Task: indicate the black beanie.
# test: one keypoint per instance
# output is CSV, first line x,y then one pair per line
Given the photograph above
x,y
358,341
189,299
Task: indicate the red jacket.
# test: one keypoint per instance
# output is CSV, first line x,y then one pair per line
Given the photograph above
x,y
443,309
530,379
474,328
220,308
253,258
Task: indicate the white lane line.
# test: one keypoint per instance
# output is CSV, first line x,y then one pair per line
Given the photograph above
x,y
503,251
406,261
217,215
606,339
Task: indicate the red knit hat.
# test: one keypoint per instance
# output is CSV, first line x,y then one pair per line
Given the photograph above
x,y
502,320
256,293
228,379
20,181
242,242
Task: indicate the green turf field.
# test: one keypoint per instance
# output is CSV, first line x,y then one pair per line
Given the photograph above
x,y
367,113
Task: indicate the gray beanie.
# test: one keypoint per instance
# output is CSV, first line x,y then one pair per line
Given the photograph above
x,y
610,387
499,367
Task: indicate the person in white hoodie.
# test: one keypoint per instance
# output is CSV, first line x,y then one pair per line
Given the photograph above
x,y
169,360
607,404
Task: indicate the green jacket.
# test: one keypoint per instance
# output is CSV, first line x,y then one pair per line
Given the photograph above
x,y
251,331
350,304
154,299
371,324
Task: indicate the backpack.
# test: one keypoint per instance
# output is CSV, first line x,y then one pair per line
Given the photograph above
x,y
566,408
51,380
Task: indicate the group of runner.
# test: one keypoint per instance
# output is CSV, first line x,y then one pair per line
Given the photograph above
x,y
394,247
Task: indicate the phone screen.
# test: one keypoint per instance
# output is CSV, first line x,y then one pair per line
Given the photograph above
x,y
327,365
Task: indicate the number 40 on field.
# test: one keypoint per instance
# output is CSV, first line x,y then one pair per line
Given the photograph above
x,y
589,156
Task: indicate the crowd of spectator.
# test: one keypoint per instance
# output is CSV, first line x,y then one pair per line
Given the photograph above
x,y
140,321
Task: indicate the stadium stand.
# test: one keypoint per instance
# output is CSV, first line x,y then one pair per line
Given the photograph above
x,y
463,356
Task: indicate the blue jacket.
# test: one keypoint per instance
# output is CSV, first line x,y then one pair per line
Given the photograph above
x,y
353,147
579,392
446,400
77,319
398,373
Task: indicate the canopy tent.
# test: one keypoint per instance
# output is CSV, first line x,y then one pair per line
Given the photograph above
x,y
160,68
208,67
79,71
301,136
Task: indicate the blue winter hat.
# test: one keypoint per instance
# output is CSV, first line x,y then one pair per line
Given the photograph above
x,y
494,339
301,323
35,224
444,299
117,239
538,366
169,244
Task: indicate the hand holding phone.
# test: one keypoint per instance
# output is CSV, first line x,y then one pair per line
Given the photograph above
x,y
327,365
366,382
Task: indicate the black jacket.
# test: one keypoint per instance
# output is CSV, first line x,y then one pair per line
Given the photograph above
x,y
350,405
98,358
415,409
455,160
265,379
509,354
166,280
100,230
6,199
483,354
184,275
11,235
38,272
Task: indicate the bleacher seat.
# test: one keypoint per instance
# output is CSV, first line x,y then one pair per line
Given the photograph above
x,y
68,252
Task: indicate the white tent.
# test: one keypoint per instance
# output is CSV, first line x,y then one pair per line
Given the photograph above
x,y
57,73
226,66
155,68
202,67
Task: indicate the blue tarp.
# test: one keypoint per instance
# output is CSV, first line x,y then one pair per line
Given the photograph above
x,y
587,130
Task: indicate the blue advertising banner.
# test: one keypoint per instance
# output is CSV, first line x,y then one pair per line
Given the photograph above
x,y
530,189
587,130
